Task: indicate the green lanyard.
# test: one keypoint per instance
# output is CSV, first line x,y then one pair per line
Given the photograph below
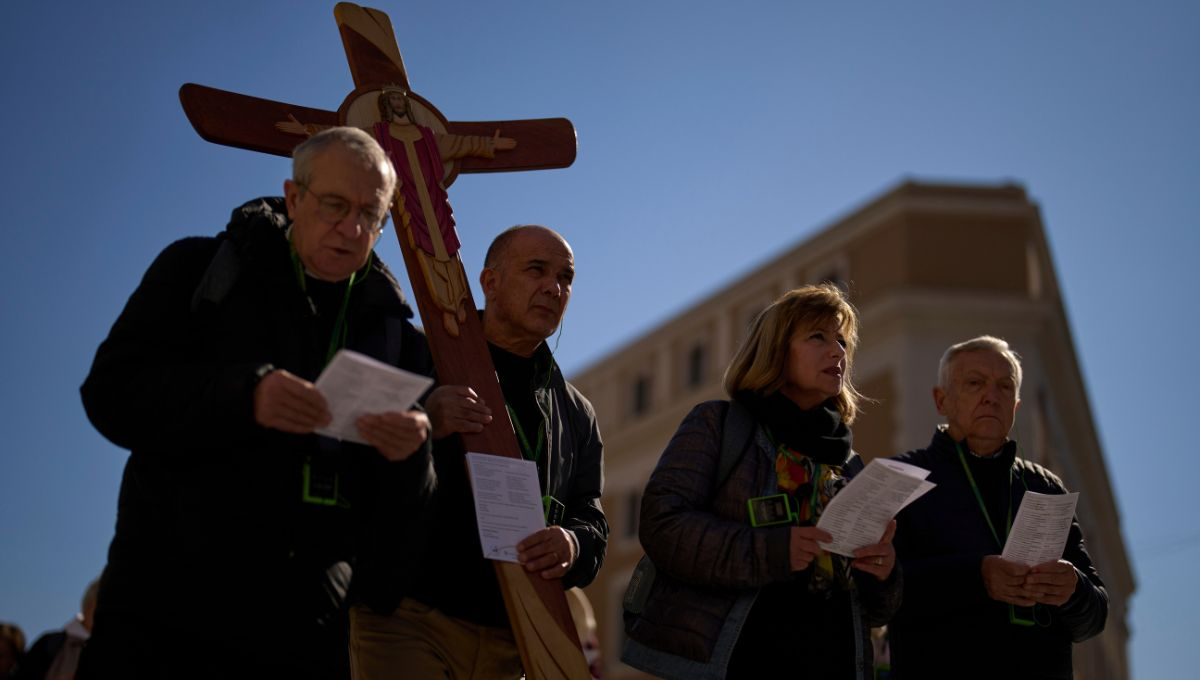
x,y
979,498
1040,616
530,452
320,482
337,338
553,509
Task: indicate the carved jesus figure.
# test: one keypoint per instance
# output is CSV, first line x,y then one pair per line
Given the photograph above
x,y
422,207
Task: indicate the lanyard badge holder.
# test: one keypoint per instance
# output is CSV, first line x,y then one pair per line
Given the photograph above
x,y
1017,615
1037,615
767,511
321,483
554,510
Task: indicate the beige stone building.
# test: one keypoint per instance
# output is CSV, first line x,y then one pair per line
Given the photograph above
x,y
927,265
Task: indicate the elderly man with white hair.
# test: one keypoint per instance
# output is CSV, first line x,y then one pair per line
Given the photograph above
x,y
967,612
237,524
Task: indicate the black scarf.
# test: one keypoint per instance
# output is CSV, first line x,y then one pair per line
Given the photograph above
x,y
818,433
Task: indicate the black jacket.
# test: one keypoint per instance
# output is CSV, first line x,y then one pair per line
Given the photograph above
x,y
455,578
210,517
948,626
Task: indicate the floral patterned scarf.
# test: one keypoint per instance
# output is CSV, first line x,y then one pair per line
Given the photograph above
x,y
810,449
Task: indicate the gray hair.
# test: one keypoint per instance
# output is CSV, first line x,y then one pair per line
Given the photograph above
x,y
981,343
355,141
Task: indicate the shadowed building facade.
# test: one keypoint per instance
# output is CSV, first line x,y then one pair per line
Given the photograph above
x,y
927,265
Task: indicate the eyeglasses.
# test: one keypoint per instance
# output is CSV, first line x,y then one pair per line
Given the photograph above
x,y
333,209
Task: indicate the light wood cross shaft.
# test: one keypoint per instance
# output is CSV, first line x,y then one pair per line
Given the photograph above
x,y
537,608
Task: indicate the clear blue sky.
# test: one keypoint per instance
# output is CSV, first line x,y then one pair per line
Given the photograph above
x,y
710,136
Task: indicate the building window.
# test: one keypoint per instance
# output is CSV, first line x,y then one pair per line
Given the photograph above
x,y
836,279
641,395
696,371
835,270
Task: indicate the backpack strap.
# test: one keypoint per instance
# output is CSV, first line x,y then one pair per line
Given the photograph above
x,y
218,279
735,437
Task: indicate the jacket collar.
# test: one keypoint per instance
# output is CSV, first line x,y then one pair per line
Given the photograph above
x,y
943,443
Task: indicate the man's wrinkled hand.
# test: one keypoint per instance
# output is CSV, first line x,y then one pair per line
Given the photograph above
x,y
456,408
1052,583
550,551
1005,581
285,402
396,435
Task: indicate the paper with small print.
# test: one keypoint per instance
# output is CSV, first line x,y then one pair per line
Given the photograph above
x,y
1039,533
859,513
508,502
355,385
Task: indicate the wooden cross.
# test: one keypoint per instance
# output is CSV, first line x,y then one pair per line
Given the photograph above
x,y
537,608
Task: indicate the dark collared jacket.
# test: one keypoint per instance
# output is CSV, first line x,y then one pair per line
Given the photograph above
x,y
454,576
948,626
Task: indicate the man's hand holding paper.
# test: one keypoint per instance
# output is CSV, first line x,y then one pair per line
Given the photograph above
x,y
370,402
396,435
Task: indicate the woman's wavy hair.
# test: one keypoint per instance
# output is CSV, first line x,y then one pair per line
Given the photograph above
x,y
760,362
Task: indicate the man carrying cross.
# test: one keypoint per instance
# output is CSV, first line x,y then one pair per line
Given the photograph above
x,y
538,612
237,524
450,621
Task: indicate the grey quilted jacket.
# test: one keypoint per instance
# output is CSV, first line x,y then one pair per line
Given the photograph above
x,y
711,562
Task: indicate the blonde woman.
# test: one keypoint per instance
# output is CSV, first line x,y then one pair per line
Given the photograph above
x,y
743,588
